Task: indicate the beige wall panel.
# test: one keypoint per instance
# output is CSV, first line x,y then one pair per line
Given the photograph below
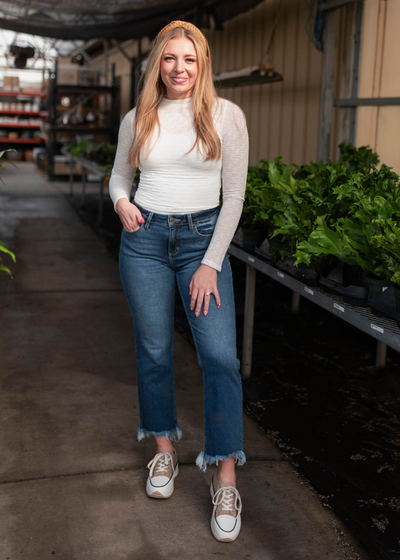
x,y
388,125
314,88
291,31
368,47
379,77
275,114
390,82
282,118
303,47
366,126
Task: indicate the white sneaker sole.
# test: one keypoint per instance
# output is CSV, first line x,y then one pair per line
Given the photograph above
x,y
162,491
220,534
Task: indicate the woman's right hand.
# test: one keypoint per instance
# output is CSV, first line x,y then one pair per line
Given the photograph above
x,y
129,214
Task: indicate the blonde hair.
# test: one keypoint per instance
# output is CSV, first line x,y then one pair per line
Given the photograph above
x,y
154,89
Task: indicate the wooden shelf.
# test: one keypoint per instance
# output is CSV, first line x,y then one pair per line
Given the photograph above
x,y
27,113
11,125
5,140
26,93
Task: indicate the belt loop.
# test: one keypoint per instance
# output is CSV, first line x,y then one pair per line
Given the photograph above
x,y
190,222
149,217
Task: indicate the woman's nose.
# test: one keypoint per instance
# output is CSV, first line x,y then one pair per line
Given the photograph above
x,y
179,66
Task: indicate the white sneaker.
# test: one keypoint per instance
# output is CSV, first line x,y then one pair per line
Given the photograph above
x,y
163,470
225,520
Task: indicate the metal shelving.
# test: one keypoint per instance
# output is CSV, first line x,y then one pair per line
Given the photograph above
x,y
54,128
383,329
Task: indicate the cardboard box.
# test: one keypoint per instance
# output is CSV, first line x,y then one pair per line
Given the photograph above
x,y
15,83
7,83
28,154
11,83
68,73
64,168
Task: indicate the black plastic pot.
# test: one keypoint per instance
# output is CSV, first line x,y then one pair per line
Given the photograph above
x,y
396,289
376,286
264,250
249,238
307,274
387,304
348,281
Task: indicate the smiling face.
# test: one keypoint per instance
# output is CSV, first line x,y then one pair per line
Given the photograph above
x,y
179,67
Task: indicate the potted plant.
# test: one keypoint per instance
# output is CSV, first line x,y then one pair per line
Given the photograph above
x,y
3,248
252,228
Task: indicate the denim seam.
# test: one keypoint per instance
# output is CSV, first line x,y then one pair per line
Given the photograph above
x,y
176,241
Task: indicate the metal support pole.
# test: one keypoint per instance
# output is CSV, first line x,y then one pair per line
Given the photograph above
x,y
328,84
83,186
100,215
71,177
356,64
248,321
105,44
381,349
295,302
83,180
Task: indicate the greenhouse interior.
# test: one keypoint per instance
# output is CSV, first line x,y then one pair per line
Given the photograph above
x,y
315,261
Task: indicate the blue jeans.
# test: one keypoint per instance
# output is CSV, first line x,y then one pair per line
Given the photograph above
x,y
166,247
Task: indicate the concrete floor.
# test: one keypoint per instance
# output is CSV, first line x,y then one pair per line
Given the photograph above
x,y
72,475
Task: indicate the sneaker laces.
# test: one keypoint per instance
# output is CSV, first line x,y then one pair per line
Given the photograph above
x,y
160,463
229,498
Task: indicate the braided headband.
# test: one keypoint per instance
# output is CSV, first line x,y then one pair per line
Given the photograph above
x,y
186,25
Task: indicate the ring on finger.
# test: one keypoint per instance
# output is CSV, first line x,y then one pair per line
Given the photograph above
x,y
208,293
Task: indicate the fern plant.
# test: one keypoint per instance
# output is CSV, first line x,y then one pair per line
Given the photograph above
x,y
3,248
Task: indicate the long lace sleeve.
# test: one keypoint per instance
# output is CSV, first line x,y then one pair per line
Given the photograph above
x,y
235,160
123,173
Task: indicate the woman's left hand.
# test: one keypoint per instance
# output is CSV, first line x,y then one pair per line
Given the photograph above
x,y
203,282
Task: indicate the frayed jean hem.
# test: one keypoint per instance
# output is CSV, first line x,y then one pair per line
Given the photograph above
x,y
203,459
171,435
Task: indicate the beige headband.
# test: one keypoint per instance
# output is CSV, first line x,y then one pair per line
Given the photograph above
x,y
186,25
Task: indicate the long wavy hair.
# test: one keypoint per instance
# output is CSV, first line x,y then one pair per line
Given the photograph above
x,y
203,98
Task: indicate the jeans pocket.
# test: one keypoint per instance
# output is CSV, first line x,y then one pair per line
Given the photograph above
x,y
205,228
135,230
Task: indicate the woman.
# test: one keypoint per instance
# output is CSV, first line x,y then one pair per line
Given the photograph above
x,y
184,139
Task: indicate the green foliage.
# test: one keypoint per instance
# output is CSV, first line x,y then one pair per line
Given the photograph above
x,y
358,159
3,249
369,233
348,210
102,153
3,268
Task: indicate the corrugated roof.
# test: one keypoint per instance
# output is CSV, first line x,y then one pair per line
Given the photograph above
x,y
117,19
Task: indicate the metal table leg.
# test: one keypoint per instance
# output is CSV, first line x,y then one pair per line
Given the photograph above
x,y
71,177
295,302
381,349
248,321
83,187
100,215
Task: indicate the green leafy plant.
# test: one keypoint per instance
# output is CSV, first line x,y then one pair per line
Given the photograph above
x,y
102,153
293,203
358,159
369,233
3,248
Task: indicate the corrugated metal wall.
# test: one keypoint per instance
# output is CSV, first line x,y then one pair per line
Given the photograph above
x,y
283,117
380,77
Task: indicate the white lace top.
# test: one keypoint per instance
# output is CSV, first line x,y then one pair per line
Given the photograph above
x,y
174,182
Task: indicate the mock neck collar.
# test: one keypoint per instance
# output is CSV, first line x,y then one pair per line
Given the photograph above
x,y
178,102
